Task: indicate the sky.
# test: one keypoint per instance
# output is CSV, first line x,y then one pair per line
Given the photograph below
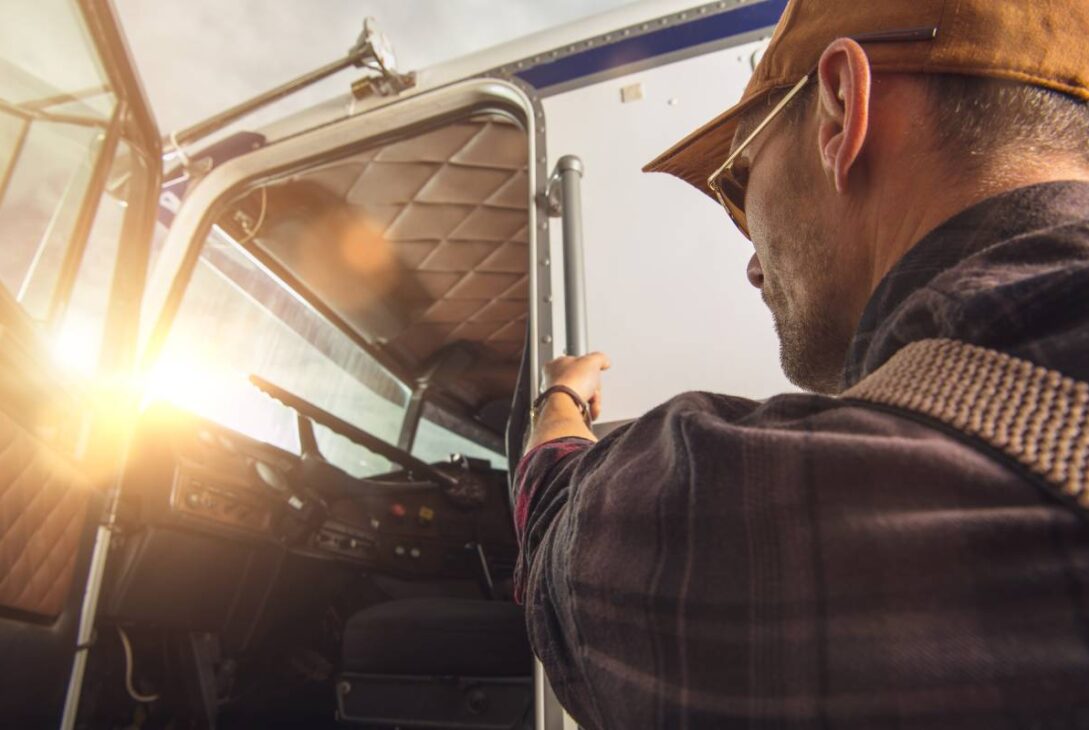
x,y
199,57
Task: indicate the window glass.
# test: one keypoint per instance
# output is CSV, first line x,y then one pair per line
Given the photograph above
x,y
48,56
236,319
350,456
55,106
77,344
44,195
436,443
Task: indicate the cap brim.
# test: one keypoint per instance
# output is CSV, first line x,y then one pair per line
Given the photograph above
x,y
695,157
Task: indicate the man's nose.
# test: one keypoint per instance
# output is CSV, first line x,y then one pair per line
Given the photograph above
x,y
755,272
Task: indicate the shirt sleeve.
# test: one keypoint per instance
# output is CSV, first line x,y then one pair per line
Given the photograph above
x,y
542,484
603,537
593,521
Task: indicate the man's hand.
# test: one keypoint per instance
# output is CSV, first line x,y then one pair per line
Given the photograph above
x,y
580,374
559,417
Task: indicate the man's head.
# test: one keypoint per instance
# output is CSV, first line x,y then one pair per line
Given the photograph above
x,y
864,161
861,166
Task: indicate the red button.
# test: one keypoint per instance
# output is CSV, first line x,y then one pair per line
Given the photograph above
x,y
397,510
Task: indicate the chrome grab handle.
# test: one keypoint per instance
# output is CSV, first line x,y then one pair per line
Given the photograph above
x,y
565,201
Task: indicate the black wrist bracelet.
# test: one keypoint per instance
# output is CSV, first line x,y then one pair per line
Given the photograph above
x,y
583,407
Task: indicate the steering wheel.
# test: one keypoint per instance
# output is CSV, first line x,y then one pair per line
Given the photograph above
x,y
412,465
463,490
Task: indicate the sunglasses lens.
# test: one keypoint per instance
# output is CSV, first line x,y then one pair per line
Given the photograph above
x,y
732,197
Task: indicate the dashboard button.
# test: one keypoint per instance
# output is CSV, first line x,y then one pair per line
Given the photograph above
x,y
397,510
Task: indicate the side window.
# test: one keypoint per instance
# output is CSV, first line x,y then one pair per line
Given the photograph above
x,y
65,175
435,442
55,113
48,182
79,332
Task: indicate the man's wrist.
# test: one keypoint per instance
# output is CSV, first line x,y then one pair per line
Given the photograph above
x,y
559,405
558,417
563,392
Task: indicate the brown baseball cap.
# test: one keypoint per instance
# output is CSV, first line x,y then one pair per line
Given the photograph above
x,y
1040,42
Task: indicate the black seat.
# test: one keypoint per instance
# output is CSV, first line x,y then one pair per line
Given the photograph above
x,y
418,662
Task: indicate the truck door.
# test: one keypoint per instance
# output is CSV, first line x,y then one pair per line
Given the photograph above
x,y
79,174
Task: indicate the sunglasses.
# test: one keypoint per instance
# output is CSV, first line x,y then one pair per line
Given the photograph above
x,y
728,187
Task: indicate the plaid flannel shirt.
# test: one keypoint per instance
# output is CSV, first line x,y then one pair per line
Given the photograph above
x,y
806,562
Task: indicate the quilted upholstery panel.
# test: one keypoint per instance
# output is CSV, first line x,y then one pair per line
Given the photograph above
x,y
43,503
448,258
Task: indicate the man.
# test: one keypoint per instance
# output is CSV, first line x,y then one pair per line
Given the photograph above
x,y
906,170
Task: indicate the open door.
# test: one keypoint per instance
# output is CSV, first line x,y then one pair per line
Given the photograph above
x,y
404,237
79,175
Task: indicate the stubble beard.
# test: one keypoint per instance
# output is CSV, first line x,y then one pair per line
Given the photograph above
x,y
813,339
811,351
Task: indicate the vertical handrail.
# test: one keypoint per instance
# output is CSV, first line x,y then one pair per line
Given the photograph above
x,y
565,200
85,633
548,714
569,171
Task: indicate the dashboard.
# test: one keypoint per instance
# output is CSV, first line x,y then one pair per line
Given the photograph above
x,y
213,520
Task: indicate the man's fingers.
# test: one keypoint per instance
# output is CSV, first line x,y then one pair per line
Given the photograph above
x,y
583,374
602,359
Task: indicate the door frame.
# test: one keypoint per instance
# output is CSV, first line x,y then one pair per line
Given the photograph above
x,y
43,649
208,199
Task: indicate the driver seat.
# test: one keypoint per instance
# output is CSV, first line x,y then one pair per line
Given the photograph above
x,y
437,662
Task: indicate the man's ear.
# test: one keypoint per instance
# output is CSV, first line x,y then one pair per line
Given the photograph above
x,y
843,119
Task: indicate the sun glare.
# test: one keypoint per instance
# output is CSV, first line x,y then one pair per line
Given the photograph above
x,y
75,349
192,385
200,384
194,381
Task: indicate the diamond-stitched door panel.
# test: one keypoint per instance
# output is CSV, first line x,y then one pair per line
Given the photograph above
x,y
43,502
419,245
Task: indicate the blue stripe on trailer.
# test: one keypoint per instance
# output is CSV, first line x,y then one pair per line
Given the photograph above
x,y
708,29
176,181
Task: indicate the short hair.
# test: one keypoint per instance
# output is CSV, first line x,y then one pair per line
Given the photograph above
x,y
978,119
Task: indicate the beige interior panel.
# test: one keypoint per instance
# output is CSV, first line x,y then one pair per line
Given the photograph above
x,y
434,228
43,505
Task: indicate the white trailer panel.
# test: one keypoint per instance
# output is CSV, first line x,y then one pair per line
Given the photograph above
x,y
667,295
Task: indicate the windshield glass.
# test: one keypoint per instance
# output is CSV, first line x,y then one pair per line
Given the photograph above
x,y
237,319
417,251
438,443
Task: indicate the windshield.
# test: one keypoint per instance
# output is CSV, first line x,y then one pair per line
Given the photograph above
x,y
237,319
435,442
417,251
